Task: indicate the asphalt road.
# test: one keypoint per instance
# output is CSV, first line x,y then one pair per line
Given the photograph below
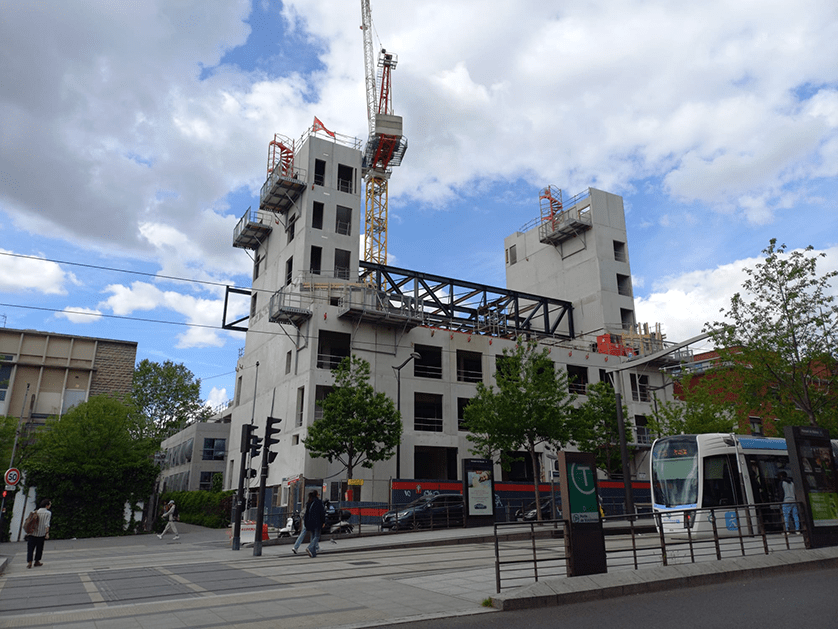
x,y
802,599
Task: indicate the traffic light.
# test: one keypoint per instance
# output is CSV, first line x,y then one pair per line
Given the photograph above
x,y
247,429
255,443
250,473
272,428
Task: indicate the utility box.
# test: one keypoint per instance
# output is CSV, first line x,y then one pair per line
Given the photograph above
x,y
583,535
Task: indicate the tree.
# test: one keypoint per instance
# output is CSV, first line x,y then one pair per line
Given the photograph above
x,y
359,426
8,427
90,463
597,429
168,396
779,337
700,409
531,406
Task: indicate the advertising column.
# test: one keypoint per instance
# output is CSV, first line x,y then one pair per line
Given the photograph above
x,y
479,492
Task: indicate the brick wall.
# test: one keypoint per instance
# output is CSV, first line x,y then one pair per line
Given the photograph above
x,y
114,366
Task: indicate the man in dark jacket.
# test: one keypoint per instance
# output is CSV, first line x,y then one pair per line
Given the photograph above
x,y
314,519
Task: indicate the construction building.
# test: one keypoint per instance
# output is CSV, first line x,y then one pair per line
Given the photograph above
x,y
429,339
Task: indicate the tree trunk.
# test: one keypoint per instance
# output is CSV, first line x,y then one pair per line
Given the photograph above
x,y
536,480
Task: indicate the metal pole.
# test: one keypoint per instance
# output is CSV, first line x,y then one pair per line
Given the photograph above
x,y
245,447
624,453
398,371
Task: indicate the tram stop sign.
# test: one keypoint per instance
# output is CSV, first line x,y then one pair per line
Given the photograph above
x,y
12,476
583,534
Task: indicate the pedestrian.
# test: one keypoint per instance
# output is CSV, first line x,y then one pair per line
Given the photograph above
x,y
789,503
300,537
35,540
171,513
314,520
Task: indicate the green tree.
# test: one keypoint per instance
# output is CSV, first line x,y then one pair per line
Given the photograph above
x,y
168,396
700,409
8,426
597,429
359,426
90,463
779,338
531,406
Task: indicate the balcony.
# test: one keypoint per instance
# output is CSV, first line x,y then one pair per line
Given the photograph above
x,y
282,189
252,229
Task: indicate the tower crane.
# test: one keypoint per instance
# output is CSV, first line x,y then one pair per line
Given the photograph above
x,y
386,144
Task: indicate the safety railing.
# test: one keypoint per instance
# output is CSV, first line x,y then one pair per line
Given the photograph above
x,y
528,551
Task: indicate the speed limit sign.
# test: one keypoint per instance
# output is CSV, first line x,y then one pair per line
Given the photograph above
x,y
12,476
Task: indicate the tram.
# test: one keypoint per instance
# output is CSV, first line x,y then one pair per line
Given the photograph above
x,y
718,470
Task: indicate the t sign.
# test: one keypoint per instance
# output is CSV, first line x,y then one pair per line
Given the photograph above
x,y
582,493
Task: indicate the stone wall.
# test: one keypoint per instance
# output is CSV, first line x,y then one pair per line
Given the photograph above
x,y
114,367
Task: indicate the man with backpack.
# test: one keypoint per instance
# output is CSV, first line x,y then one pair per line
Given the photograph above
x,y
171,514
37,527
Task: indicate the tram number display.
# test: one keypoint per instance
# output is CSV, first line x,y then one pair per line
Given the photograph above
x,y
677,450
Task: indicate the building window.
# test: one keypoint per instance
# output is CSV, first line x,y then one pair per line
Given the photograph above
x,y
430,363
624,285
238,390
290,230
320,394
346,177
332,347
512,255
342,264
627,319
639,388
343,220
288,362
640,425
427,412
577,379
316,258
317,215
319,172
756,426
462,402
253,305
5,378
205,483
620,254
301,392
469,366
214,449
289,270
256,263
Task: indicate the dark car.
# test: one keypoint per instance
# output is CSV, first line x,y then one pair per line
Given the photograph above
x,y
528,513
429,511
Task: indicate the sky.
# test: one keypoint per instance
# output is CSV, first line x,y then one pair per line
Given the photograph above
x,y
134,136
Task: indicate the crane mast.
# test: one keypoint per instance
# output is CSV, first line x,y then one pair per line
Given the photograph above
x,y
386,144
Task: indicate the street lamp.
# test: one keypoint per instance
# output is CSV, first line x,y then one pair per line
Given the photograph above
x,y
398,371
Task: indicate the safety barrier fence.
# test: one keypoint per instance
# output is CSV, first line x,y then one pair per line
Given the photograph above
x,y
526,552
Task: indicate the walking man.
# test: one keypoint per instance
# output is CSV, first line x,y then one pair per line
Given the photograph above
x,y
171,513
35,540
314,520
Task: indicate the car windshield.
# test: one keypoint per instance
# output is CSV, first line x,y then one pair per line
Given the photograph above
x,y
419,501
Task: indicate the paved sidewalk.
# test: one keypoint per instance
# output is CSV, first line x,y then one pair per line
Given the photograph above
x,y
198,581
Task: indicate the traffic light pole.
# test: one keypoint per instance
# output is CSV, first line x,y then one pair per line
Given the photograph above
x,y
260,512
237,514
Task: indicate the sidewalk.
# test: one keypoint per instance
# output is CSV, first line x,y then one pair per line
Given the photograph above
x,y
198,581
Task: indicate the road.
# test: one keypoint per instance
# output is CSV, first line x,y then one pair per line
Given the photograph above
x,y
801,599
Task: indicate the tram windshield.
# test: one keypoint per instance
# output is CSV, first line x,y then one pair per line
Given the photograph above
x,y
675,471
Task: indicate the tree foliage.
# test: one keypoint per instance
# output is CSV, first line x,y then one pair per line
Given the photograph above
x,y
168,396
779,336
531,406
700,409
597,429
8,426
359,426
90,463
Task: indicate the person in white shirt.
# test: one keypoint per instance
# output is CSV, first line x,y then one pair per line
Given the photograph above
x,y
789,503
35,540
170,513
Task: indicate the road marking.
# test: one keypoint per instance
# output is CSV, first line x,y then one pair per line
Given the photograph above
x,y
92,591
182,580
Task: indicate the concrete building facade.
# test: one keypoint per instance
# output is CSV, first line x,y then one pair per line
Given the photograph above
x,y
43,374
313,303
193,456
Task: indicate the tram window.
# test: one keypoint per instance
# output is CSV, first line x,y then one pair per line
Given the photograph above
x,y
720,487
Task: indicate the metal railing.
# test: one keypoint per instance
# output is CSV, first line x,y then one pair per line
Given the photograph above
x,y
529,551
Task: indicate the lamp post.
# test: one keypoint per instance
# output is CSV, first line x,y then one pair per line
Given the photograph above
x,y
398,371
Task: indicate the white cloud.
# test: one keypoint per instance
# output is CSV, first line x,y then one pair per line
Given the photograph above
x,y
22,274
81,315
685,303
217,397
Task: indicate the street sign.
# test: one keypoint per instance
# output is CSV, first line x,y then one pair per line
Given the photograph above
x,y
355,481
12,476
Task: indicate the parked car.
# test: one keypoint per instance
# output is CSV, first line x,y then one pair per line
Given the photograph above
x,y
528,513
429,511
